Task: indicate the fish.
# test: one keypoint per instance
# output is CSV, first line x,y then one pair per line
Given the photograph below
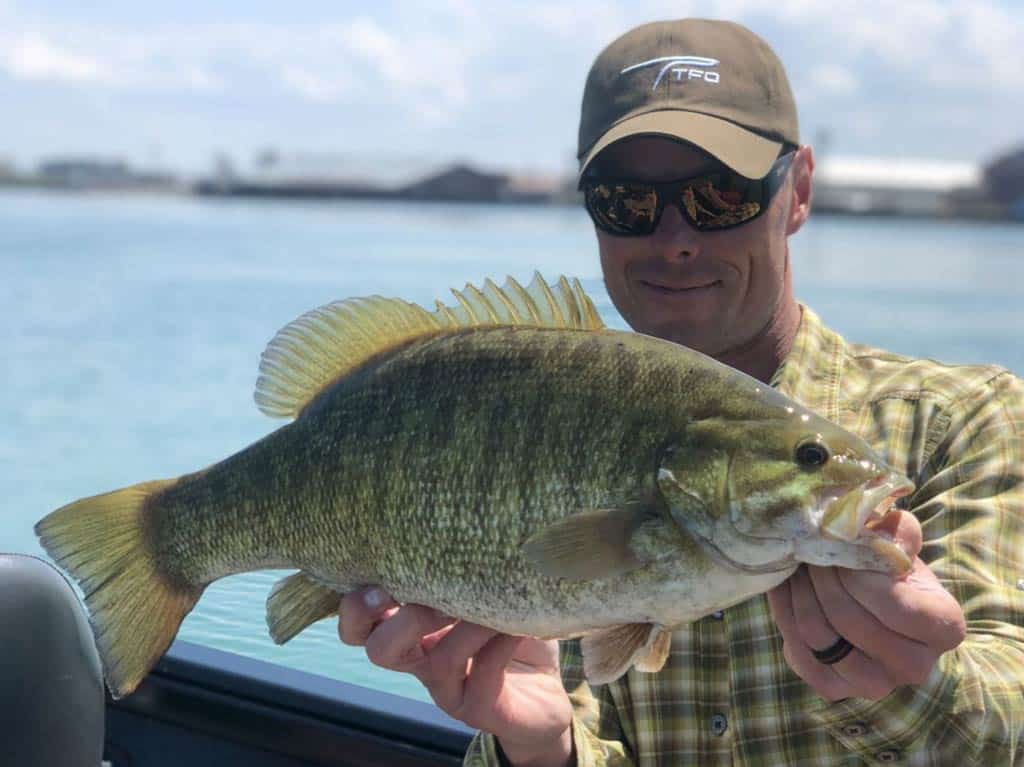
x,y
505,459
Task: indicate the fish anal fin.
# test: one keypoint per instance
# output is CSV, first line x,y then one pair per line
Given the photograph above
x,y
297,602
588,545
328,343
608,653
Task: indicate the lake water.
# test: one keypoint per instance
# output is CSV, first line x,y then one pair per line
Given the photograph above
x,y
133,329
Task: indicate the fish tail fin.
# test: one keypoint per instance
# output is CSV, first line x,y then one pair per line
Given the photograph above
x,y
134,609
297,602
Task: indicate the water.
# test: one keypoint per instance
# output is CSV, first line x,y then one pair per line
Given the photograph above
x,y
133,329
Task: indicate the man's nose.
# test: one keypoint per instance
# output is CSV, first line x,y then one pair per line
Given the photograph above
x,y
674,237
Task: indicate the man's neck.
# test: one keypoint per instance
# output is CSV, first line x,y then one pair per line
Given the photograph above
x,y
762,355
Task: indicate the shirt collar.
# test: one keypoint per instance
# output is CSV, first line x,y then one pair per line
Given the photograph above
x,y
811,372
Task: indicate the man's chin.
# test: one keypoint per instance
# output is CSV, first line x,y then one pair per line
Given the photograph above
x,y
701,337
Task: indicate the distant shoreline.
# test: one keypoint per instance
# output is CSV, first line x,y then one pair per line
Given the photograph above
x,y
319,194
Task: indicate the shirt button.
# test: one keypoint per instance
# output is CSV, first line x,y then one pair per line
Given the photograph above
x,y
854,730
717,615
888,757
719,724
1020,584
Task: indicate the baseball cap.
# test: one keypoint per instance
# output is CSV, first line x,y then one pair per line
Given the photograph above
x,y
714,84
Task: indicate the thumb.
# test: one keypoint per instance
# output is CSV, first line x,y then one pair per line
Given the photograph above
x,y
904,529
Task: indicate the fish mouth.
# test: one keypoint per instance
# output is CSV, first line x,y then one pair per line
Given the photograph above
x,y
852,515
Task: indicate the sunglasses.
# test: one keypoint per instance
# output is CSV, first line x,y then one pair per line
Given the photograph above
x,y
713,201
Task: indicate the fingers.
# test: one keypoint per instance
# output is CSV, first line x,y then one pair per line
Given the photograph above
x,y
396,643
856,672
361,610
480,689
393,636
806,626
448,662
905,660
904,528
916,606
812,627
821,678
855,676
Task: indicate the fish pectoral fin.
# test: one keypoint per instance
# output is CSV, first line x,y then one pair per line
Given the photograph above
x,y
326,344
608,653
297,602
588,545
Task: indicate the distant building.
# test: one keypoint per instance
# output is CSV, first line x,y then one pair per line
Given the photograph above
x,y
389,172
78,173
893,186
316,175
1004,182
99,174
460,183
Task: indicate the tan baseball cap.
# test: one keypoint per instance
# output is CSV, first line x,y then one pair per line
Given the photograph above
x,y
714,84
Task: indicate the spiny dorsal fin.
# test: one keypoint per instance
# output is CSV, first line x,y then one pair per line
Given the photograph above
x,y
565,306
325,344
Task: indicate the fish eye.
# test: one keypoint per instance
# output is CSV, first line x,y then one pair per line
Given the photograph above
x,y
811,454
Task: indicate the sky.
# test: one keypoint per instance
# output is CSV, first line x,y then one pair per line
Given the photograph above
x,y
494,83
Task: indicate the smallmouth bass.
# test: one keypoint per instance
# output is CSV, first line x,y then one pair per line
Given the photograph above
x,y
505,459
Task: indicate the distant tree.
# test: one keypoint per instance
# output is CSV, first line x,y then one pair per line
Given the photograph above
x,y
1004,177
267,158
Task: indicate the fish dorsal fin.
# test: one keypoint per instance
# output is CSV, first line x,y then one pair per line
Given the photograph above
x,y
325,344
562,305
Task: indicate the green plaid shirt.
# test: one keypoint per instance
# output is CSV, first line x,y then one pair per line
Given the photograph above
x,y
726,695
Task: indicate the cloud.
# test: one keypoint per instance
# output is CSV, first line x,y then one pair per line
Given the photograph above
x,y
35,58
99,60
423,70
834,80
314,87
361,58
940,42
508,76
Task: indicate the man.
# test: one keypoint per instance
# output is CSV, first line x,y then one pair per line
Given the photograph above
x,y
834,666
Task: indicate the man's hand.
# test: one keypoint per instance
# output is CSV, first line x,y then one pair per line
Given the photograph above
x,y
509,686
899,627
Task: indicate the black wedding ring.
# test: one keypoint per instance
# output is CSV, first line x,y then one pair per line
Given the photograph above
x,y
833,654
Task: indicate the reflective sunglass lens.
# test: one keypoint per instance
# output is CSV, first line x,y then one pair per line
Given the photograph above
x,y
623,208
709,207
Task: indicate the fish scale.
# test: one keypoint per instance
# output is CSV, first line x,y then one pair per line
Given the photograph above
x,y
506,460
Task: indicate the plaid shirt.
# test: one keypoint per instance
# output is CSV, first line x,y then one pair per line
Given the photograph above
x,y
726,695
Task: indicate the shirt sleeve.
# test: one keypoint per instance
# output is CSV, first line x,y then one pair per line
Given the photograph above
x,y
970,501
599,738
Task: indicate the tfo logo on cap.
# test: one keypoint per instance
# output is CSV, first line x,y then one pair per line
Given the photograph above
x,y
682,67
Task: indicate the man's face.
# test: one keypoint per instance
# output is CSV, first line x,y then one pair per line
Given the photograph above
x,y
711,291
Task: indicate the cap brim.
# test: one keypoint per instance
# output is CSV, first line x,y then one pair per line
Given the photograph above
x,y
745,152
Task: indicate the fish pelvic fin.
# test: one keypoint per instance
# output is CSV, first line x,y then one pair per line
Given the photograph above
x,y
134,610
297,602
325,344
609,653
655,652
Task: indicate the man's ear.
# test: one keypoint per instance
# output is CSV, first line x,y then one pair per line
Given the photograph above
x,y
801,189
